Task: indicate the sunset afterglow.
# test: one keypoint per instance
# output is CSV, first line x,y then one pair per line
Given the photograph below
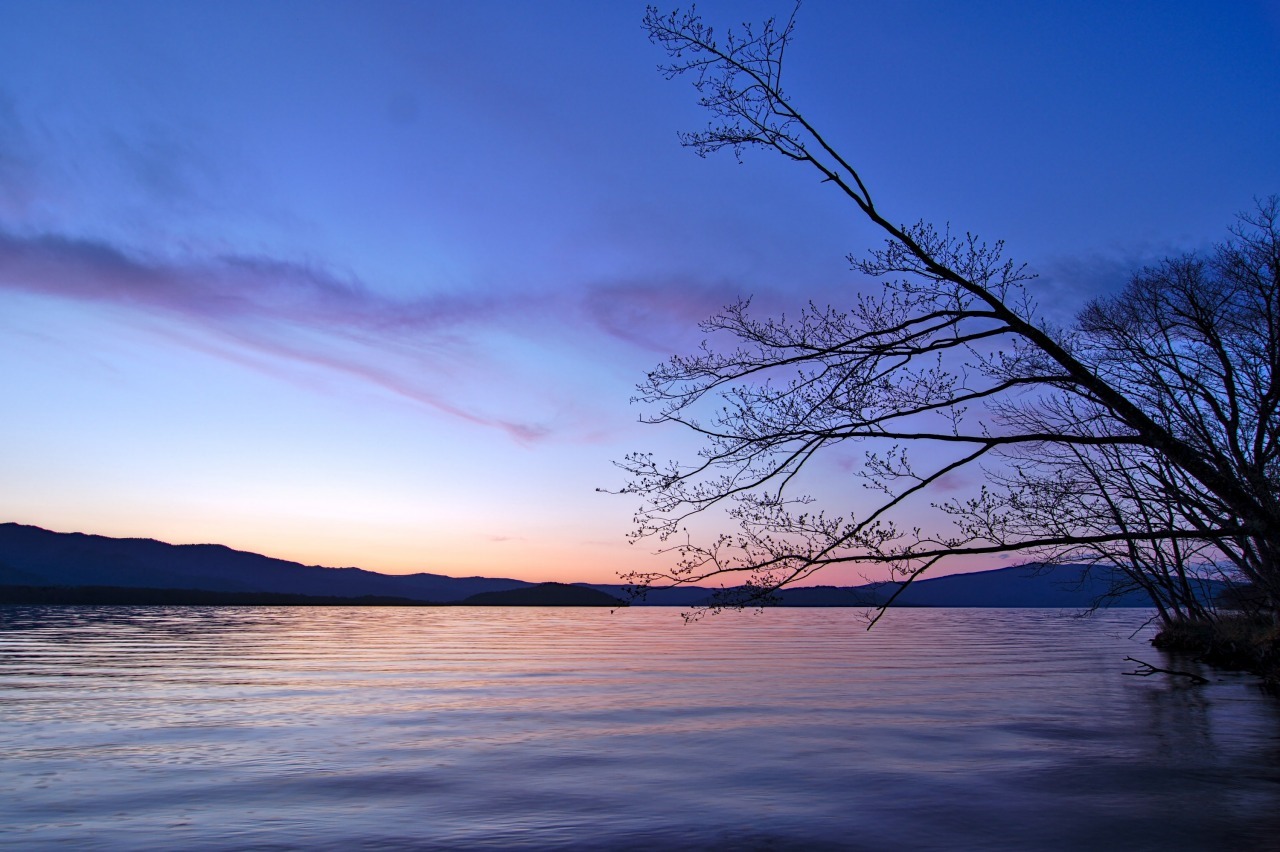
x,y
371,284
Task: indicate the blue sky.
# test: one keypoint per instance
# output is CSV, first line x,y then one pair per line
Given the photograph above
x,y
371,283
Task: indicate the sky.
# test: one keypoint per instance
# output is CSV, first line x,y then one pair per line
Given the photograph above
x,y
372,283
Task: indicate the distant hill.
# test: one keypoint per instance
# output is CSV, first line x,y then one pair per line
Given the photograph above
x,y
676,596
1025,586
1075,586
31,556
546,594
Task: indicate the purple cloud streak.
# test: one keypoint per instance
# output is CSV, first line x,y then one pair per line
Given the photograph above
x,y
305,314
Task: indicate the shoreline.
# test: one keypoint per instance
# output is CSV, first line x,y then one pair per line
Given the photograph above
x,y
1234,642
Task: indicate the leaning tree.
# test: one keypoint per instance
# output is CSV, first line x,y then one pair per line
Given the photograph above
x,y
1143,437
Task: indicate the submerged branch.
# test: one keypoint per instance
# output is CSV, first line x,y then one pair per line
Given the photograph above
x,y
1148,670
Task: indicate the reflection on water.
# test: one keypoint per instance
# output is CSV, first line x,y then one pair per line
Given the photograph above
x,y
155,727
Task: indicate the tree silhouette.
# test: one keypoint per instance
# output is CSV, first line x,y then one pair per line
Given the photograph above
x,y
1144,436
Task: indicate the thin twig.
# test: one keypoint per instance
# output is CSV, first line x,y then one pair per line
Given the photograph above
x,y
1149,670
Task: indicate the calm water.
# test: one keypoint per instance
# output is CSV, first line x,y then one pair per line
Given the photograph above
x,y
169,728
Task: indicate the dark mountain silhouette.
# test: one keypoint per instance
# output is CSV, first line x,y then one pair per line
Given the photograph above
x,y
546,594
1019,586
1074,586
677,596
34,557
31,556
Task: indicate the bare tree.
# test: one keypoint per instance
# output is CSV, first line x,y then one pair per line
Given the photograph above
x,y
1195,342
1145,436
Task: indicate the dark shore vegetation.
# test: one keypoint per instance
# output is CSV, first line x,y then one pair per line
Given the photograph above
x,y
125,596
544,594
1238,641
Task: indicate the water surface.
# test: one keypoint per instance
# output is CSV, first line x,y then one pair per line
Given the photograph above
x,y
214,728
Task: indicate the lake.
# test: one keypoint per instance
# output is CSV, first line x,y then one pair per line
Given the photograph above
x,y
494,728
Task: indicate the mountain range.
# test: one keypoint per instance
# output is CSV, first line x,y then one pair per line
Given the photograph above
x,y
34,557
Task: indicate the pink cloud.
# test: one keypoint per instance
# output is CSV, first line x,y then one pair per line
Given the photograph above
x,y
226,288
278,309
433,350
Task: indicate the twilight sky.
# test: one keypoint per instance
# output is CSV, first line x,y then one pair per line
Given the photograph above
x,y
371,283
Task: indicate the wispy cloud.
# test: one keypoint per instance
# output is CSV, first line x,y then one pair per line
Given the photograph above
x,y
451,352
223,288
660,316
287,311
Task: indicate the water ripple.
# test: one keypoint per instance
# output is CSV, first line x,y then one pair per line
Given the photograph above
x,y
212,728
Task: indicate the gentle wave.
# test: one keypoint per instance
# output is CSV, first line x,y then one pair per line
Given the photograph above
x,y
155,727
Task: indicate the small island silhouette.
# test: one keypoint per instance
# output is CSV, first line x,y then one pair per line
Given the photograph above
x,y
545,594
